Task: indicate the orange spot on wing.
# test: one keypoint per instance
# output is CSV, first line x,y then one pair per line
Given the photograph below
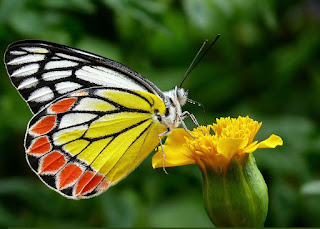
x,y
92,184
69,174
44,125
40,146
85,179
63,105
52,162
103,185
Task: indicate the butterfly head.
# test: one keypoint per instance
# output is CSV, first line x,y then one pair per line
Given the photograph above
x,y
181,95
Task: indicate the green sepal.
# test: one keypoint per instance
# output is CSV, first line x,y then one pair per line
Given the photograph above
x,y
236,197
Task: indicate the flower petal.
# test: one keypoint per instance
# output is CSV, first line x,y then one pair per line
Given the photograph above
x,y
228,147
174,151
272,142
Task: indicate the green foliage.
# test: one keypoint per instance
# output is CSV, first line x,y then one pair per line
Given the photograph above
x,y
265,65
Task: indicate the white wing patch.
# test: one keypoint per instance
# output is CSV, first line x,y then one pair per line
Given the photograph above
x,y
89,104
17,52
26,70
55,75
26,59
41,95
112,78
65,87
28,83
36,49
60,64
75,119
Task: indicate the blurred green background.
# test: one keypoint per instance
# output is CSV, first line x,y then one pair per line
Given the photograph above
x,y
265,65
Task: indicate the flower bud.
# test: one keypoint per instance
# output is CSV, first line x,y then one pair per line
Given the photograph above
x,y
237,196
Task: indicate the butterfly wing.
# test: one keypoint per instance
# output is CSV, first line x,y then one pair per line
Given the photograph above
x,y
43,71
86,141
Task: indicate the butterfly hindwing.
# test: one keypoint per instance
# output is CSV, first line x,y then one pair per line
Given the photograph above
x,y
43,71
86,141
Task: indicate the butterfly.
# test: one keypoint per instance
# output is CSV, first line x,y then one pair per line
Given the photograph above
x,y
95,120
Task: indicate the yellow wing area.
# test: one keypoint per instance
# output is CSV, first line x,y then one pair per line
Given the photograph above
x,y
132,101
121,138
138,151
115,123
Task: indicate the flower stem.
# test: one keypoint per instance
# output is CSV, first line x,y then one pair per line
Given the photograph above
x,y
238,197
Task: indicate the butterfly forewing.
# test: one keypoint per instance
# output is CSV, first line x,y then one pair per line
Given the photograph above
x,y
43,71
88,140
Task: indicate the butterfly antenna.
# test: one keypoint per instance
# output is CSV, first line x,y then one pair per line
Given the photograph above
x,y
194,59
200,105
192,66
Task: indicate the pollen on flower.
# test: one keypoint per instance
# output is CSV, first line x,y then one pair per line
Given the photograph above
x,y
241,127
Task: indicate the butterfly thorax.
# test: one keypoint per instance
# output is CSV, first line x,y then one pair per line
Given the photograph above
x,y
174,100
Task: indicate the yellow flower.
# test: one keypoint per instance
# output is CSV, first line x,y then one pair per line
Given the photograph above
x,y
234,191
230,138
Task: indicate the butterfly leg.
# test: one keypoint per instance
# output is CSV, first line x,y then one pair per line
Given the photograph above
x,y
163,154
185,126
186,114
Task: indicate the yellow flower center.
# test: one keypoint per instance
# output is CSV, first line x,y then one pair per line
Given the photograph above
x,y
231,136
240,128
